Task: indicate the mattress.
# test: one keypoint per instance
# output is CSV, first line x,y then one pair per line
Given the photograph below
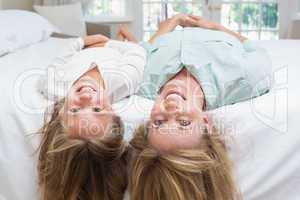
x,y
266,138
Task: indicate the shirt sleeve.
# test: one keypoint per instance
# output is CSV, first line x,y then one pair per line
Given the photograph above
x,y
133,55
74,47
46,82
131,67
148,47
249,46
258,67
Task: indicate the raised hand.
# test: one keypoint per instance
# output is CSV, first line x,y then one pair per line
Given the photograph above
x,y
123,34
196,21
169,25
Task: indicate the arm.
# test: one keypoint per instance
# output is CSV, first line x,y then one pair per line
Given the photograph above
x,y
47,83
125,48
94,41
169,25
237,35
77,45
74,46
255,60
124,34
195,21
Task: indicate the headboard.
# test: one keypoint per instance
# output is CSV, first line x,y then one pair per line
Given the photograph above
x,y
16,4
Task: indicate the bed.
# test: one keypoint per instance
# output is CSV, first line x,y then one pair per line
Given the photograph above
x,y
265,149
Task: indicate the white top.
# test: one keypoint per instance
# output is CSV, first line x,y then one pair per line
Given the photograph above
x,y
121,65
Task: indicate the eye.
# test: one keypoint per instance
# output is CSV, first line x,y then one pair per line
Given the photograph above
x,y
74,110
184,122
157,123
97,109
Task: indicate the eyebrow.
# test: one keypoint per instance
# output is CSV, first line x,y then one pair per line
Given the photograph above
x,y
178,114
93,113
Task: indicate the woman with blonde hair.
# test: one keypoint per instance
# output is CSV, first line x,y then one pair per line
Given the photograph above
x,y
82,153
178,154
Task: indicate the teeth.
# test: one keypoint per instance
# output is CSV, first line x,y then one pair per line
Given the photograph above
x,y
86,89
174,96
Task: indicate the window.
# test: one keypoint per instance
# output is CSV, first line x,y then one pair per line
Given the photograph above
x,y
106,7
155,11
256,19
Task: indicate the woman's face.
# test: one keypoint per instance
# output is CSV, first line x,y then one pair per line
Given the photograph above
x,y
87,109
177,117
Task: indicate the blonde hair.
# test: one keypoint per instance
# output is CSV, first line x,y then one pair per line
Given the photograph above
x,y
81,169
191,174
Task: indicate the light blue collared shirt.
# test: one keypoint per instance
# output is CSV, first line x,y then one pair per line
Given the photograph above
x,y
228,71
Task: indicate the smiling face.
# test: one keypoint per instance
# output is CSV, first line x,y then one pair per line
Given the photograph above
x,y
87,109
177,117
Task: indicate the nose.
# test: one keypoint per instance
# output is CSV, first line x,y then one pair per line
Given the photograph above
x,y
170,106
85,98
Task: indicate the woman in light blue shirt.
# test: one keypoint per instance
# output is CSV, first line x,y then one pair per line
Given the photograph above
x,y
178,154
228,67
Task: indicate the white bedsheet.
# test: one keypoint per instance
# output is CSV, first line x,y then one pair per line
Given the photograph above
x,y
266,136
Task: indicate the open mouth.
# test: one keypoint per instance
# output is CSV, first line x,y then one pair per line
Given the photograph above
x,y
86,88
175,94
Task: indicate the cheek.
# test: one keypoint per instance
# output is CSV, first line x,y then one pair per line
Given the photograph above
x,y
194,105
105,102
157,105
103,97
71,97
160,141
171,141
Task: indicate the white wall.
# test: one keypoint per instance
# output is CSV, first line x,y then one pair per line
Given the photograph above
x,y
287,10
17,4
134,9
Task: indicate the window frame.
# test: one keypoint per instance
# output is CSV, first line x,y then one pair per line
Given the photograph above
x,y
260,29
164,4
217,3
122,7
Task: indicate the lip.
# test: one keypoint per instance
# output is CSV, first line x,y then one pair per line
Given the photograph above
x,y
175,91
90,86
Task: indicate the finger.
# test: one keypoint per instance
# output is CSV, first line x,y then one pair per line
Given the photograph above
x,y
99,38
128,35
120,37
119,32
119,29
195,17
104,38
93,39
191,22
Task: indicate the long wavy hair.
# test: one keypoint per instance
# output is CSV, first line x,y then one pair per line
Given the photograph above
x,y
204,173
81,169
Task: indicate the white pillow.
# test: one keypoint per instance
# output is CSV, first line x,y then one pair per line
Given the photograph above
x,y
68,18
19,29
